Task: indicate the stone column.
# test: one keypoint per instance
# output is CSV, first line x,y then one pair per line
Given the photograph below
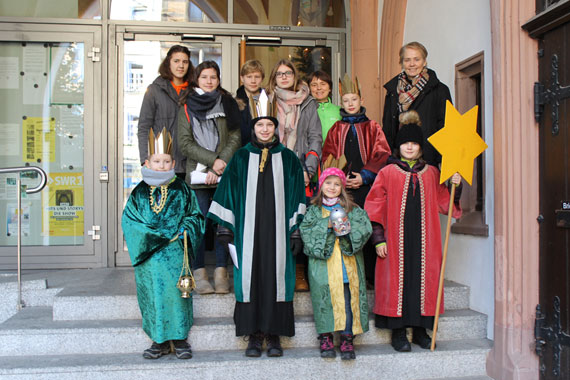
x,y
515,69
365,57
391,40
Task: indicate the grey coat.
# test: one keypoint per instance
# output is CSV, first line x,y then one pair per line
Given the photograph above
x,y
160,109
309,135
229,141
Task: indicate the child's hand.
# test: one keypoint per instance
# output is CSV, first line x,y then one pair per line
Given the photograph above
x,y
456,179
382,251
354,181
306,178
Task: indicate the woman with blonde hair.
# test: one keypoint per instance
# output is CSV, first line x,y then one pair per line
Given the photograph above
x,y
415,88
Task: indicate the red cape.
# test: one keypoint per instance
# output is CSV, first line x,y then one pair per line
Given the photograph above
x,y
386,204
374,148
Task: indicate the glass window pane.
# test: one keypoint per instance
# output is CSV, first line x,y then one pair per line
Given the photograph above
x,y
321,13
142,59
305,59
84,9
170,10
42,124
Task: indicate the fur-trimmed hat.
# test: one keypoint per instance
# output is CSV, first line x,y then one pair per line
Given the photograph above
x,y
410,129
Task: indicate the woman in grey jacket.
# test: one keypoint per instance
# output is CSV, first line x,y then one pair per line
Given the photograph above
x,y
209,134
299,129
162,101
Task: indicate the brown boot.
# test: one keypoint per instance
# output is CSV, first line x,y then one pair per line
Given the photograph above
x,y
202,284
301,284
221,280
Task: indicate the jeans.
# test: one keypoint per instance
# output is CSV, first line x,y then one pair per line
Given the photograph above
x,y
348,310
204,197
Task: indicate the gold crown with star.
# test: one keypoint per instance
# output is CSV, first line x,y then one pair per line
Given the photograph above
x,y
159,144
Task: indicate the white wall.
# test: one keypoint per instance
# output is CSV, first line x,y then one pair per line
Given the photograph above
x,y
453,30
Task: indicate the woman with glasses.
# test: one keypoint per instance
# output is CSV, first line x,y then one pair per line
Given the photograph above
x,y
299,129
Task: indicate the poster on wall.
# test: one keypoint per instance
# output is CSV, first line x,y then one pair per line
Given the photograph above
x,y
63,205
10,141
12,219
38,139
9,73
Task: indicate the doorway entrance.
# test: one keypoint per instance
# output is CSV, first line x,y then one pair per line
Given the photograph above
x,y
141,50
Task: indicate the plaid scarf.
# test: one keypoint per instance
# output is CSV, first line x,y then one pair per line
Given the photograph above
x,y
408,92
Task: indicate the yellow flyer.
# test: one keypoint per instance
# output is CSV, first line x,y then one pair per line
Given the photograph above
x,y
63,211
38,139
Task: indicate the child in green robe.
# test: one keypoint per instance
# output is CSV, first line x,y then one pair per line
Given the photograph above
x,y
159,210
336,265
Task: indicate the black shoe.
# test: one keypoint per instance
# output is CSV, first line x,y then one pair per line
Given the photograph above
x,y
327,346
156,350
400,341
347,347
182,349
254,345
421,338
274,348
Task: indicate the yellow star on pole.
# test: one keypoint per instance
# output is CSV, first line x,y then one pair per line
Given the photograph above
x,y
458,143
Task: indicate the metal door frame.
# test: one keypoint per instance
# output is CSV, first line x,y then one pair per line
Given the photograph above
x,y
228,36
93,252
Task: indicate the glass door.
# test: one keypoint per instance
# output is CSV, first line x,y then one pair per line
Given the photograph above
x,y
308,54
47,115
140,56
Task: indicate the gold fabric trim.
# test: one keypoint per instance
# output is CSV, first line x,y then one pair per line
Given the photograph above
x,y
336,286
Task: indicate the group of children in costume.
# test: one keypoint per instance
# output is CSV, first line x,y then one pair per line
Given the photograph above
x,y
390,202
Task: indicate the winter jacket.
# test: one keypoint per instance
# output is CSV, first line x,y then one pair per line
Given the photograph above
x,y
309,135
430,105
324,250
229,142
329,113
160,109
243,103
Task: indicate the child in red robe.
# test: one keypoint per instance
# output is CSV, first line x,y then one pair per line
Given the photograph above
x,y
403,206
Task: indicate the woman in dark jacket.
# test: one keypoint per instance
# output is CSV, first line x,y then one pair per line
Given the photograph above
x,y
209,134
162,100
415,88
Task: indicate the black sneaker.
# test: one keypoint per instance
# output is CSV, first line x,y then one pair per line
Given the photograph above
x,y
274,348
327,346
400,340
421,338
182,349
254,345
347,347
156,350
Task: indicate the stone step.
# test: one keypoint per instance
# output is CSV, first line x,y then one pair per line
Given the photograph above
x,y
33,332
104,303
34,293
453,359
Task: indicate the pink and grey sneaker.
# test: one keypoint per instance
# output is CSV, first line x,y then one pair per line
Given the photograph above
x,y
347,347
327,345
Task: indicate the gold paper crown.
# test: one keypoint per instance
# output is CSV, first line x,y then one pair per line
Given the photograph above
x,y
161,144
263,107
332,162
347,86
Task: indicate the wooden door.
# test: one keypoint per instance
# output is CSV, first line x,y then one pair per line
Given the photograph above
x,y
551,26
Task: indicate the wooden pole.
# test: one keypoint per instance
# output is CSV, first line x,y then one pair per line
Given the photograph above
x,y
241,52
442,273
